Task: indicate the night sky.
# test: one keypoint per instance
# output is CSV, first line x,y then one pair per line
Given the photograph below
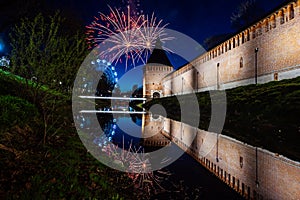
x,y
197,19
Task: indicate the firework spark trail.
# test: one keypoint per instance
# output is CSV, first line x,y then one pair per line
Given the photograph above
x,y
139,166
133,37
150,32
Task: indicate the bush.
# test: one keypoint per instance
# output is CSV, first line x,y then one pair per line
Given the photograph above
x,y
14,110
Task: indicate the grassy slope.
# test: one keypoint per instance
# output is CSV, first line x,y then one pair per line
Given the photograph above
x,y
265,115
60,168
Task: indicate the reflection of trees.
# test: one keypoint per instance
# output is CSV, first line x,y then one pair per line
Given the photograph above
x,y
137,119
105,120
137,92
108,126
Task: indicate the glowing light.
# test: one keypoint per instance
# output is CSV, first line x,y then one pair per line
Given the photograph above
x,y
2,46
142,176
4,61
131,37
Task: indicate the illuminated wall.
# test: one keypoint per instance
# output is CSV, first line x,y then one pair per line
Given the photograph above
x,y
253,172
152,80
235,62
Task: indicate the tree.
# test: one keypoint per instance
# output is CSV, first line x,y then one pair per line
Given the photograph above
x,y
47,59
134,88
214,40
246,13
43,53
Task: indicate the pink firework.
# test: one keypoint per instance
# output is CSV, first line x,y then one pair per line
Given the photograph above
x,y
133,37
139,167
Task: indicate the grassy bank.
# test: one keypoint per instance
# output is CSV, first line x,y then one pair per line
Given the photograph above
x,y
265,115
41,160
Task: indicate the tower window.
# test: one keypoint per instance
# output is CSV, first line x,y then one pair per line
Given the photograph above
x,y
241,161
241,62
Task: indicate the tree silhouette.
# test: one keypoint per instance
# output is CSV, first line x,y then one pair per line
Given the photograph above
x,y
43,52
246,13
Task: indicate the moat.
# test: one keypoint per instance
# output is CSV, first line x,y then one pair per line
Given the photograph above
x,y
212,165
186,178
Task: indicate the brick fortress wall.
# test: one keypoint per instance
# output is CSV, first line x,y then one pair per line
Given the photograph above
x,y
233,63
253,172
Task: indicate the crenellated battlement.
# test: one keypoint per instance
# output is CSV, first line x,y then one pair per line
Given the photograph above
x,y
277,18
265,51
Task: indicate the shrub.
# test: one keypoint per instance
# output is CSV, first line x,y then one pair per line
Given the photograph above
x,y
14,110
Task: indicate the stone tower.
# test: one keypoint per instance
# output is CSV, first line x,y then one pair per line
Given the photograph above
x,y
157,67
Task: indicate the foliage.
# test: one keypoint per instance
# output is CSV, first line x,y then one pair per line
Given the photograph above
x,y
61,167
212,41
41,51
46,58
15,111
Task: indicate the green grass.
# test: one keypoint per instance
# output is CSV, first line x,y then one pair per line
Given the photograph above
x,y
265,115
60,168
9,79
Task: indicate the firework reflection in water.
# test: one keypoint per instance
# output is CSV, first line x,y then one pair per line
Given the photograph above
x,y
139,167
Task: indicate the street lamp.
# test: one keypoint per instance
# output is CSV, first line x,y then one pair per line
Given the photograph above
x,y
256,51
218,81
197,82
181,85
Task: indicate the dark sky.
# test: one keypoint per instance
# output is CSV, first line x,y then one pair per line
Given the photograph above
x,y
195,18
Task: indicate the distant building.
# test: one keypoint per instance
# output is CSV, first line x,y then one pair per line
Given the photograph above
x,y
4,62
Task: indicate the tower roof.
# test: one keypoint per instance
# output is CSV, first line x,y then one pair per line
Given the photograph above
x,y
159,55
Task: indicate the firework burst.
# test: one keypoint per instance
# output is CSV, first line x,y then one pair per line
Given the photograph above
x,y
129,37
